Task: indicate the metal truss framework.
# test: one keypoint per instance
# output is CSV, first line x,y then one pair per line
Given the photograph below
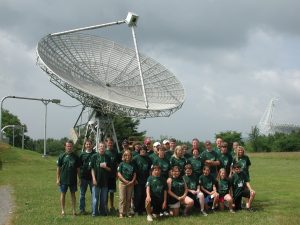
x,y
266,125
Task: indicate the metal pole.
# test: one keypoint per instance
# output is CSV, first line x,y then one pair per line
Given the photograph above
x,y
23,129
45,101
45,128
13,135
88,28
2,100
139,65
114,133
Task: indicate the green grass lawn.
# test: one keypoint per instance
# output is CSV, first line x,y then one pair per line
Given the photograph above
x,y
274,176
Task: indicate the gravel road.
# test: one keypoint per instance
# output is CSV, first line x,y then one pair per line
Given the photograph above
x,y
6,205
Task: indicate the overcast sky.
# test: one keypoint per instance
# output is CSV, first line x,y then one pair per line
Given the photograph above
x,y
231,56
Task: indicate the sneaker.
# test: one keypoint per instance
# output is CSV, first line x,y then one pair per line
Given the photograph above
x,y
166,213
161,214
231,211
149,218
203,213
121,215
154,216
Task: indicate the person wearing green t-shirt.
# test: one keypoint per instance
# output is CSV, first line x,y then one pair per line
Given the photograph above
x,y
224,190
225,159
241,188
156,193
211,159
100,165
66,175
154,154
127,178
142,165
194,189
186,153
177,193
163,163
85,173
219,142
196,162
243,160
114,160
178,160
208,187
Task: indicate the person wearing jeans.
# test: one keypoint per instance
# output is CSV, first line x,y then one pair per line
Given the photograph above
x,y
100,168
85,173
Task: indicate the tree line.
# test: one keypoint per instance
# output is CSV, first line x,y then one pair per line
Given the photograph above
x,y
127,128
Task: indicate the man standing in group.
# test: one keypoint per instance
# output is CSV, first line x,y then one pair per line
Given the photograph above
x,y
66,175
219,142
210,158
114,160
172,145
85,173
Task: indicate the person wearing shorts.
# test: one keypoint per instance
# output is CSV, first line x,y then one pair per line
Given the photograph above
x,y
208,187
68,166
194,189
177,193
156,193
224,190
241,188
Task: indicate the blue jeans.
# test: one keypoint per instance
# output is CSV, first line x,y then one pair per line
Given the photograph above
x,y
83,187
102,193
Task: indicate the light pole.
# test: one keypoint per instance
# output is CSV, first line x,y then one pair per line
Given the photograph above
x,y
45,101
15,126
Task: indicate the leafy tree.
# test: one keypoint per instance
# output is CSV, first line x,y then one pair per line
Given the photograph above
x,y
126,127
10,119
254,138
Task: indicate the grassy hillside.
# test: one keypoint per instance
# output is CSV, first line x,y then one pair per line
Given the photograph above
x,y
275,177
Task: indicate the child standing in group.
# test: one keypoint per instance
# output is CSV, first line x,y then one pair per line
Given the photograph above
x,y
177,193
127,177
66,175
224,190
241,188
100,173
142,165
156,193
208,187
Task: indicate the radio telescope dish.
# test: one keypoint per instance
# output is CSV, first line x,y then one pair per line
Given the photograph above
x,y
108,77
104,75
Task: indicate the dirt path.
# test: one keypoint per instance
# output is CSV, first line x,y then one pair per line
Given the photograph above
x,y
6,205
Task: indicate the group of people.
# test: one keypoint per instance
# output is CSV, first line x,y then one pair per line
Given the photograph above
x,y
156,179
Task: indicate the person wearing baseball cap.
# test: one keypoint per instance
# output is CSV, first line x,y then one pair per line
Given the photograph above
x,y
154,155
